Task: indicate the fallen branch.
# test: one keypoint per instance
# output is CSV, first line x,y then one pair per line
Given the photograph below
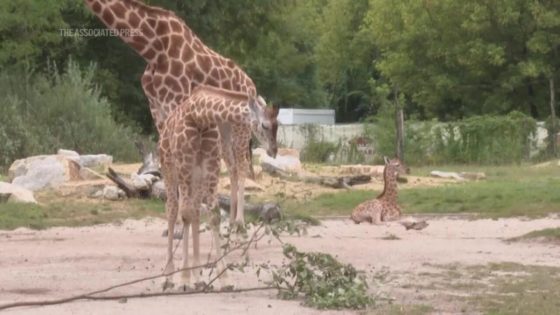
x,y
328,181
244,246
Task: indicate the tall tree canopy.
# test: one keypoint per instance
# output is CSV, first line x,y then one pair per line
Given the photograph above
x,y
448,59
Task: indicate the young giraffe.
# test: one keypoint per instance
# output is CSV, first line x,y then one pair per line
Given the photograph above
x,y
385,206
190,154
178,62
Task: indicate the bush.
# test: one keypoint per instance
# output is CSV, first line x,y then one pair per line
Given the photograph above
x,y
475,140
315,150
41,113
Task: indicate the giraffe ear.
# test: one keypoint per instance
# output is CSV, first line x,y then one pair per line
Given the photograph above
x,y
275,110
254,108
386,160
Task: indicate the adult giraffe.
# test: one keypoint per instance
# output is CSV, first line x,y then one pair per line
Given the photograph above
x,y
178,62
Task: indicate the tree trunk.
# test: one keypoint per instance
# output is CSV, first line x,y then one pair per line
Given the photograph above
x,y
399,123
554,127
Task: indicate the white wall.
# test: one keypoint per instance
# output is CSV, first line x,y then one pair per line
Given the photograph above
x,y
293,136
298,116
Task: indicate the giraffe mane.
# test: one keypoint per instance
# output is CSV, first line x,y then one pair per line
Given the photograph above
x,y
149,9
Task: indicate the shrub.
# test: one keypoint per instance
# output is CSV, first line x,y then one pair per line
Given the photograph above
x,y
315,150
478,139
44,112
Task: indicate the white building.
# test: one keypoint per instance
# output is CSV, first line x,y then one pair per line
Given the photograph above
x,y
299,116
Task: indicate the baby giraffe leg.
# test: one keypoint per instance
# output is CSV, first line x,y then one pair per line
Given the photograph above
x,y
186,273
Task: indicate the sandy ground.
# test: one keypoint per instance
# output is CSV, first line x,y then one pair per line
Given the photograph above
x,y
60,262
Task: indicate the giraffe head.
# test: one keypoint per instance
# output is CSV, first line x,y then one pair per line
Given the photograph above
x,y
394,167
264,124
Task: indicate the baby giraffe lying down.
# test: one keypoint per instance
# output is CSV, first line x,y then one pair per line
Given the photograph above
x,y
384,207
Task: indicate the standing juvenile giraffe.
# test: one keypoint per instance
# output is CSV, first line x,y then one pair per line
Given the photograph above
x,y
178,62
190,155
385,207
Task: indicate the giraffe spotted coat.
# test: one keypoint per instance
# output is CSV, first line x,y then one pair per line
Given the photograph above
x,y
385,207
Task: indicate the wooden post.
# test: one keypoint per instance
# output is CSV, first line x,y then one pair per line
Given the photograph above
x,y
554,127
399,123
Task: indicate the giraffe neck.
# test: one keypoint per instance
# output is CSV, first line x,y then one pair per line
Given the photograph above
x,y
139,25
210,106
390,186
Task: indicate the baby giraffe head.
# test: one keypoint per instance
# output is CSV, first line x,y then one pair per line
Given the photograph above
x,y
394,167
264,124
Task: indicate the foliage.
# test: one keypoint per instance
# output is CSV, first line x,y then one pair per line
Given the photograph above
x,y
42,113
315,150
485,139
418,136
324,282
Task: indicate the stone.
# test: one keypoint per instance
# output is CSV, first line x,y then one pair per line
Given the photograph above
x,y
43,171
448,175
359,169
140,182
14,193
112,193
250,185
158,190
69,154
473,175
89,174
101,161
289,162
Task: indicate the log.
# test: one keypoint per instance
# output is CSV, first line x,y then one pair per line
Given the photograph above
x,y
129,190
328,181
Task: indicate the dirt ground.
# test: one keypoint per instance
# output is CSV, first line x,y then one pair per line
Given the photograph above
x,y
60,262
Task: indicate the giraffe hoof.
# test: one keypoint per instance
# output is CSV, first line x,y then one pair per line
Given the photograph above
x,y
167,285
201,285
185,288
227,288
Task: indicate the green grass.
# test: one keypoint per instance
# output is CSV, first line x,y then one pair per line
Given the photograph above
x,y
75,213
549,235
508,191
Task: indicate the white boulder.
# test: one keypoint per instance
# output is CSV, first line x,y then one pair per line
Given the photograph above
x,y
96,160
14,193
286,159
43,171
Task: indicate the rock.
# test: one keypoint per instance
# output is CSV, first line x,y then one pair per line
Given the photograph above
x,y
250,185
459,176
69,154
473,175
113,193
96,161
270,212
158,190
14,193
288,163
89,174
83,188
359,169
288,152
449,175
43,171
143,181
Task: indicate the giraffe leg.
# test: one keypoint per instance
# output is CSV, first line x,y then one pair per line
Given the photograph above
x,y
196,246
172,208
186,273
